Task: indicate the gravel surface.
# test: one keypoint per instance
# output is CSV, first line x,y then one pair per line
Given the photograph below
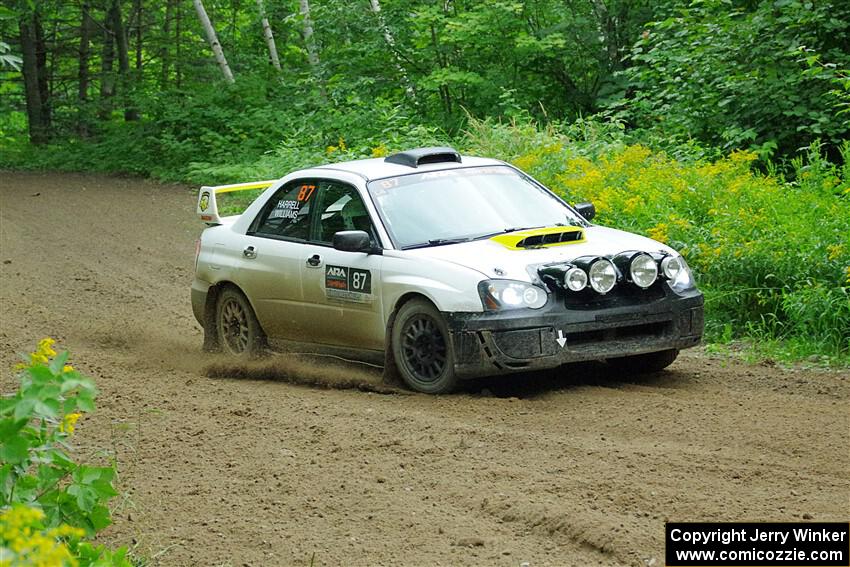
x,y
298,461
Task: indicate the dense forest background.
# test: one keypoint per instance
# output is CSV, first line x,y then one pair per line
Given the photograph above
x,y
771,76
719,126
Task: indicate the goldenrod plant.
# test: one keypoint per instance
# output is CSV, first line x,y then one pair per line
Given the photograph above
x,y
50,504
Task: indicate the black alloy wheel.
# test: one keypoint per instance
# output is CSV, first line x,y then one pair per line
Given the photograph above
x,y
239,332
422,348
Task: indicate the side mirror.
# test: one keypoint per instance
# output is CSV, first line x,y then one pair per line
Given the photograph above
x,y
352,241
587,210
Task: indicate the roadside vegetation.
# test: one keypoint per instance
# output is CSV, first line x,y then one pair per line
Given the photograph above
x,y
51,506
720,127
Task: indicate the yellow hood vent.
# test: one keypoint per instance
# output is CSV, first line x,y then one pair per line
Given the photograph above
x,y
541,237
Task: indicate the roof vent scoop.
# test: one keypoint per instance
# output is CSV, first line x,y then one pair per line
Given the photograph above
x,y
424,156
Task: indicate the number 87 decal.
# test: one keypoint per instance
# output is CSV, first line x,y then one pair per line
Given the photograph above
x,y
306,192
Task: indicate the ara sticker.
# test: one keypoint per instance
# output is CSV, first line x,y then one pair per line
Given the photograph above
x,y
349,284
205,200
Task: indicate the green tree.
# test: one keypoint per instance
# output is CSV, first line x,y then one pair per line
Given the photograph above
x,y
734,74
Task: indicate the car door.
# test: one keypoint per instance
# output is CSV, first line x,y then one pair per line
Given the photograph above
x,y
342,295
272,250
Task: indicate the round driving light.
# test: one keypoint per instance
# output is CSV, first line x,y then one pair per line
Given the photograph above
x,y
575,279
511,296
603,275
643,270
671,266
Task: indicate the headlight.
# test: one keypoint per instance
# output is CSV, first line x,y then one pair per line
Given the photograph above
x,y
643,270
676,270
603,275
507,294
575,279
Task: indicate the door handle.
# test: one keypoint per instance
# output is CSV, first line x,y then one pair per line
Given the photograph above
x,y
314,261
249,252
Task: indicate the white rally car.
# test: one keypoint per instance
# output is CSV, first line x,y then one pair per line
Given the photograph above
x,y
451,266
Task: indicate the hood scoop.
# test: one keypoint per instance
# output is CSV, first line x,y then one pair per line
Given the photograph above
x,y
541,237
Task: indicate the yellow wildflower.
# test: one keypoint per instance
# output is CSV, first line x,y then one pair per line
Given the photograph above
x,y
743,156
526,162
554,148
379,151
659,232
342,146
69,422
632,204
45,346
833,251
67,531
67,368
634,155
680,222
331,149
43,352
23,540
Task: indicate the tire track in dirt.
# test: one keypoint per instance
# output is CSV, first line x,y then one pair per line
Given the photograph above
x,y
271,463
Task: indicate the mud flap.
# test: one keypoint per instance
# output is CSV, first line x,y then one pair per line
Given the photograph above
x,y
391,375
211,342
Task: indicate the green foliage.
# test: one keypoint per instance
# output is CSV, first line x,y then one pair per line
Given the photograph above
x,y
41,487
7,58
333,136
735,75
771,255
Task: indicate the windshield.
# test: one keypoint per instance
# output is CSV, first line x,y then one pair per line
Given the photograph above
x,y
455,205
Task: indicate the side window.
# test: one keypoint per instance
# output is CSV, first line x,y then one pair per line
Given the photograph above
x,y
287,214
341,209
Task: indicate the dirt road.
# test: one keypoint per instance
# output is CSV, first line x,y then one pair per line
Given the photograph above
x,y
247,468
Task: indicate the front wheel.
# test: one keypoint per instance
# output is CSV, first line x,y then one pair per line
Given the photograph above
x,y
644,363
239,332
422,348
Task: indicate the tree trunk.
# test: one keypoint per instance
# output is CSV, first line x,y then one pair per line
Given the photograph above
x,y
83,71
41,65
445,93
388,37
163,50
608,28
212,38
138,9
307,32
178,31
267,33
130,113
107,78
37,116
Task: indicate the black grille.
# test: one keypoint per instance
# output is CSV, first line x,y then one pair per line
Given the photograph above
x,y
555,238
645,330
623,295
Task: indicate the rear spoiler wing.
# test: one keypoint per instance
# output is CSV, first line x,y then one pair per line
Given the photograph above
x,y
208,207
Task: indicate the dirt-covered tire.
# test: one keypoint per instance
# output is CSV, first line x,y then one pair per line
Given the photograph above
x,y
239,332
644,363
422,348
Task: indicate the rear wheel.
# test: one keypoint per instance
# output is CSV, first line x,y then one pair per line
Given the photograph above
x,y
644,363
239,332
422,348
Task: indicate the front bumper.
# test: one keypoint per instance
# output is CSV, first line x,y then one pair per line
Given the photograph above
x,y
521,340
